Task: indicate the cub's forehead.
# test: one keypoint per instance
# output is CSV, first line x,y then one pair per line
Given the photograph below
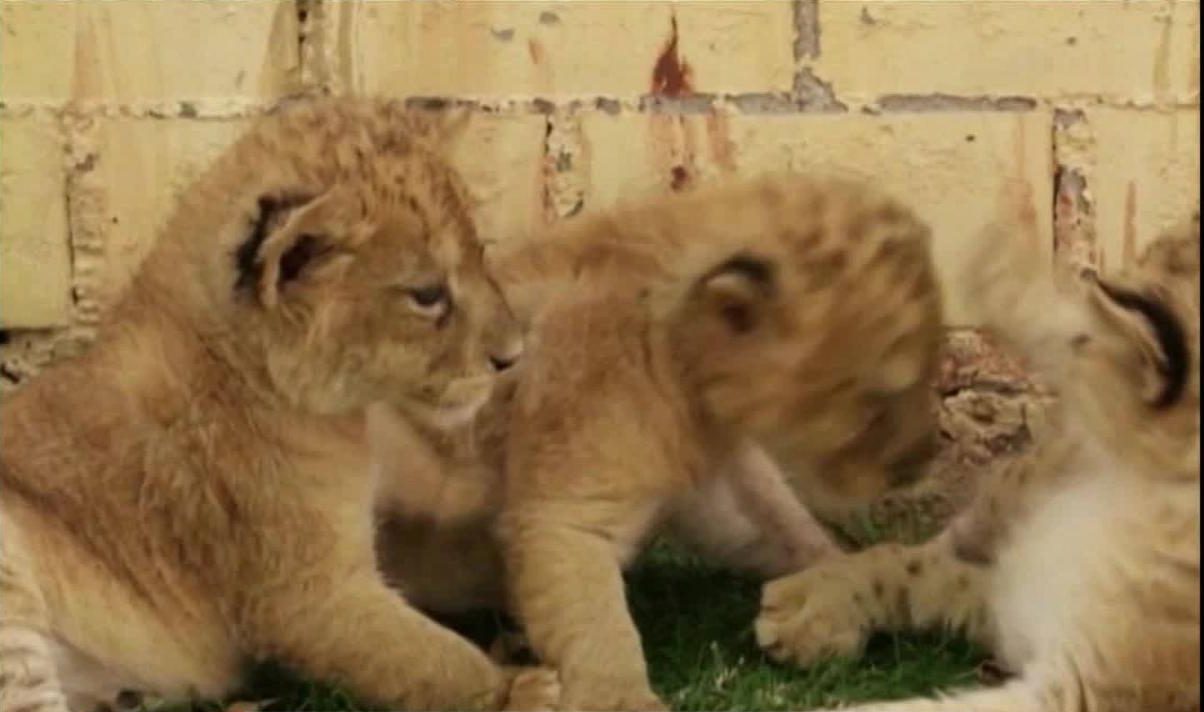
x,y
408,197
408,230
322,142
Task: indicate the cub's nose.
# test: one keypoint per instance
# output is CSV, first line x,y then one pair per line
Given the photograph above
x,y
507,356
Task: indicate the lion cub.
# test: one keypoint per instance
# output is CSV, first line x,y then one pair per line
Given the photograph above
x,y
194,492
690,339
1079,564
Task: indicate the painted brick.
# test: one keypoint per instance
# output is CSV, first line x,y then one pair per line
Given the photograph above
x,y
139,169
949,167
1120,51
1146,177
129,51
35,258
501,159
737,47
540,48
37,56
141,166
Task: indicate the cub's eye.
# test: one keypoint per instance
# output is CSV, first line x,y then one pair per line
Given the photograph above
x,y
432,300
429,296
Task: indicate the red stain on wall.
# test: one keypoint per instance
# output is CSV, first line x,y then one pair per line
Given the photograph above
x,y
723,149
535,49
674,138
547,207
663,150
671,75
1065,205
680,178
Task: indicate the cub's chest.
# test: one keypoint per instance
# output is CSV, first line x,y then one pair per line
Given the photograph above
x,y
1064,562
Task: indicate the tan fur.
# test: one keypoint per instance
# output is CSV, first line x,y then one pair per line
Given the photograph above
x,y
194,493
699,326
440,492
441,495
670,342
745,516
1078,565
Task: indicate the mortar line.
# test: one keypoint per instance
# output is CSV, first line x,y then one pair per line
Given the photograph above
x,y
750,103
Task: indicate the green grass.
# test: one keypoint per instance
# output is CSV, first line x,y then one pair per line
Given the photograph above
x,y
696,622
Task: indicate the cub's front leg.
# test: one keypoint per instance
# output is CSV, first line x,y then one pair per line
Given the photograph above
x,y
564,563
832,608
342,623
747,518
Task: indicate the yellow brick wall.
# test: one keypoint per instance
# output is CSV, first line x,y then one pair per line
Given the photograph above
x,y
107,108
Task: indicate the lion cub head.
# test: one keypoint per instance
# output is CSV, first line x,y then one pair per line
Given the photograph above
x,y
1122,348
344,268
1138,361
817,335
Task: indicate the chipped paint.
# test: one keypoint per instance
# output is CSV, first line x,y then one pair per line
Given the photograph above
x,y
567,172
814,94
946,102
1075,242
806,29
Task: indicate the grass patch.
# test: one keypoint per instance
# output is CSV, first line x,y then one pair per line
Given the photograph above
x,y
696,623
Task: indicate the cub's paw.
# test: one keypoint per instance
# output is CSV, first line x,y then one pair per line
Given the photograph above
x,y
533,689
812,615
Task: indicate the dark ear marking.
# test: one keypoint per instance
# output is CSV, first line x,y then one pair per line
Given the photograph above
x,y
736,289
1171,339
292,262
739,317
246,257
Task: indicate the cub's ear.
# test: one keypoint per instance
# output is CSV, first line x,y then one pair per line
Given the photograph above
x,y
286,242
1150,327
738,291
